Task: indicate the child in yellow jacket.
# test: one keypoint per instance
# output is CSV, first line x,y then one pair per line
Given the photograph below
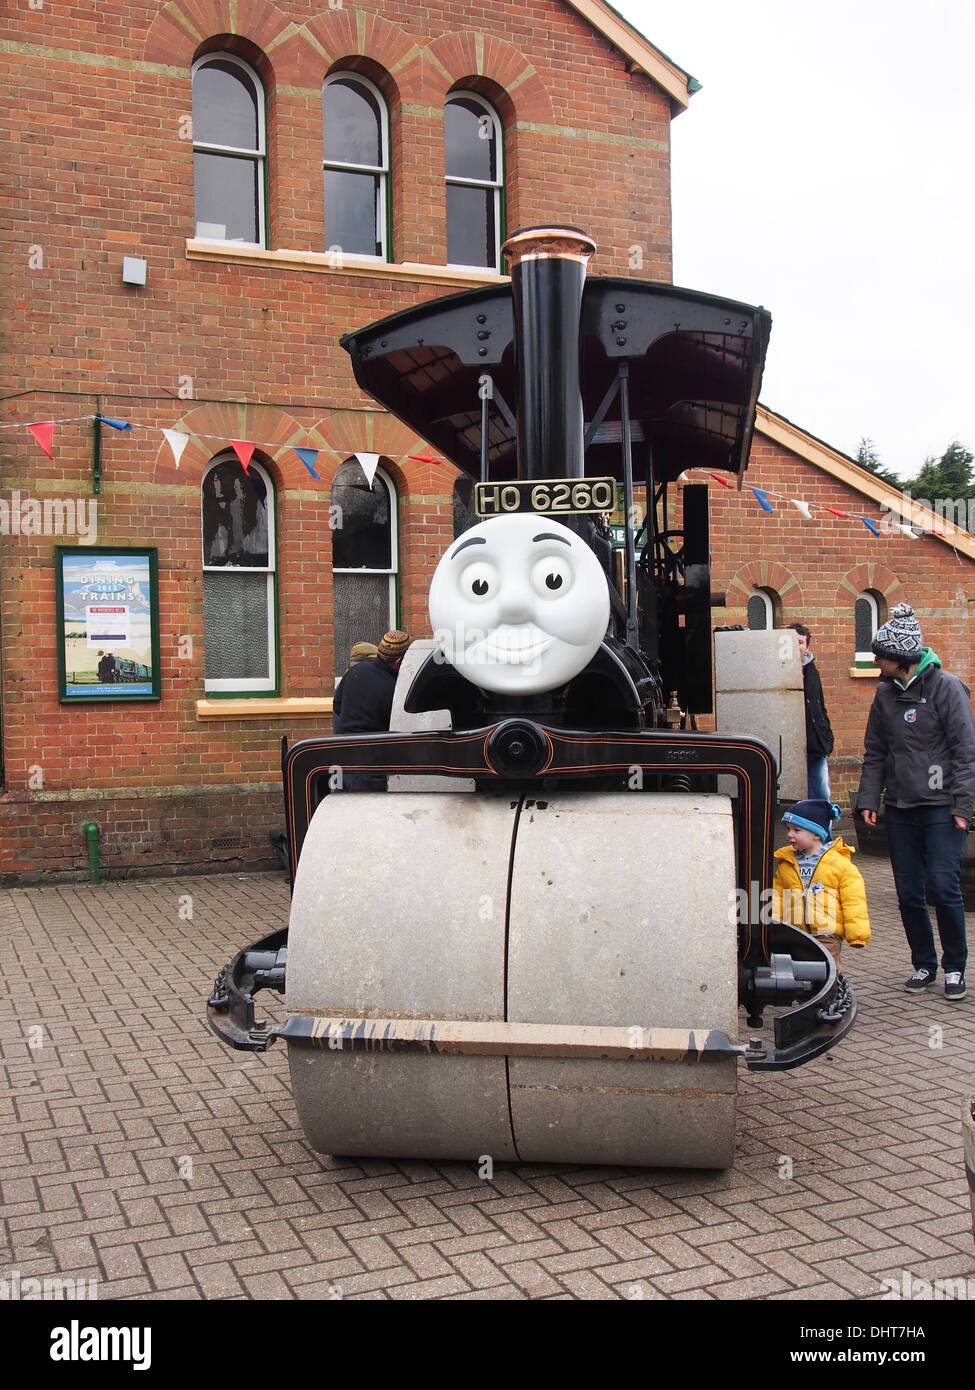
x,y
816,886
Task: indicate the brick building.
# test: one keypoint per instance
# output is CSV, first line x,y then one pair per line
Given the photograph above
x,y
204,197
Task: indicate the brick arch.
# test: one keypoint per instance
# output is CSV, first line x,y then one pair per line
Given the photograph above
x,y
363,41
183,26
763,574
212,427
869,576
468,56
375,433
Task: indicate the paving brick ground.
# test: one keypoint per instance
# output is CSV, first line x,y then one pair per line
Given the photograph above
x,y
137,1151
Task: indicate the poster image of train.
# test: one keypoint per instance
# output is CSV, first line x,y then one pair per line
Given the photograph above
x,y
107,624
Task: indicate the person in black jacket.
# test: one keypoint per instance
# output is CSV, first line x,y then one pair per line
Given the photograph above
x,y
361,651
819,734
920,747
364,702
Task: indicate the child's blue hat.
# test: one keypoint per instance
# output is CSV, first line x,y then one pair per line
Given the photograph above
x,y
816,816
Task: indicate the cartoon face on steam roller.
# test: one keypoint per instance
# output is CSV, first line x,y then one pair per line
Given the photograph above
x,y
519,605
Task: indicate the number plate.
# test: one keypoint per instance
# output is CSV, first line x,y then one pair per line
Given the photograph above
x,y
550,496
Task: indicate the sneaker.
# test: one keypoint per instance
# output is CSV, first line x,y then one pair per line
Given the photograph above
x,y
920,980
955,987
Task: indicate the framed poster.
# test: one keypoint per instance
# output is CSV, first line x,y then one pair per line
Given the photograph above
x,y
108,623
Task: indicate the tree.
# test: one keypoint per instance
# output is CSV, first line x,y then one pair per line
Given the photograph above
x,y
947,484
868,458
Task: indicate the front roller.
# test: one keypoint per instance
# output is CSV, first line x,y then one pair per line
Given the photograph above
x,y
511,998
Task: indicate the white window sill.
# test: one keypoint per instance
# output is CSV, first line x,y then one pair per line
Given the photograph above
x,y
869,673
316,707
326,263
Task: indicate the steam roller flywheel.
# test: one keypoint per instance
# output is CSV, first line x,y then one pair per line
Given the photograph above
x,y
586,909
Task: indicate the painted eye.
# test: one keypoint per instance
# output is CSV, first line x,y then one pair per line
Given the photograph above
x,y
480,581
552,577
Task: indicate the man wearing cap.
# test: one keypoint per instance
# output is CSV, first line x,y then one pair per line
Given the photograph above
x,y
364,701
361,651
920,748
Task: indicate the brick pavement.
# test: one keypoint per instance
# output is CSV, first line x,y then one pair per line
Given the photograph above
x,y
137,1151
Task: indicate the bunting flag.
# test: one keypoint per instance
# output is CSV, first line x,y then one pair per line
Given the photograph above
x,y
243,450
308,457
44,433
368,463
177,441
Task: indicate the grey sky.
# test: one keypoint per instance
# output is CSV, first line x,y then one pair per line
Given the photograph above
x,y
825,170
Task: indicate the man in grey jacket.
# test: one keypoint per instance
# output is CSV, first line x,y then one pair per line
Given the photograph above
x,y
920,746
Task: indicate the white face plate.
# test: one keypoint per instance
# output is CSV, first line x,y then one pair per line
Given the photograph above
x,y
519,605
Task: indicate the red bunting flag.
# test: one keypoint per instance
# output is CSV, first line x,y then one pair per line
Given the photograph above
x,y
718,479
44,434
243,450
844,515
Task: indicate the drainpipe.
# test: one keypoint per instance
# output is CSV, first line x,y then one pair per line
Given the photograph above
x,y
92,833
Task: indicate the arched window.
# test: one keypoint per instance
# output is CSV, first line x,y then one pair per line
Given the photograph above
x,y
761,611
239,563
355,124
228,151
867,617
475,179
365,558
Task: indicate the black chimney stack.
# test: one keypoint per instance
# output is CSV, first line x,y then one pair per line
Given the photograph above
x,y
548,273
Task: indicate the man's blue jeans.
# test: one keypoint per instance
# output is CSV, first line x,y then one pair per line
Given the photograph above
x,y
817,779
926,849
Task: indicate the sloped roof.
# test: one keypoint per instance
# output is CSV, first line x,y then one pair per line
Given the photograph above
x,y
642,55
782,431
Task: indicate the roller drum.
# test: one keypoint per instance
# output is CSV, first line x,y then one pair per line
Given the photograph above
x,y
606,909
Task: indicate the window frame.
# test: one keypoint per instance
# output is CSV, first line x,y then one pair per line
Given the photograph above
x,y
876,620
383,211
769,603
498,185
245,687
393,574
259,155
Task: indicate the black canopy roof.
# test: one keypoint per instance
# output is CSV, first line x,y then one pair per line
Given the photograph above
x,y
695,367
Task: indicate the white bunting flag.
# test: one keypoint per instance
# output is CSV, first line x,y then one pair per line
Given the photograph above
x,y
802,508
907,530
177,441
368,463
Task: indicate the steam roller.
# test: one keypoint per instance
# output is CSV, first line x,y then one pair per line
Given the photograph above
x,y
535,942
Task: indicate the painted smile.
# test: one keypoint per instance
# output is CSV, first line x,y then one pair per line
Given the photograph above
x,y
510,646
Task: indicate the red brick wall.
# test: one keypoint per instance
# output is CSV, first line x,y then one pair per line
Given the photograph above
x,y
817,568
99,168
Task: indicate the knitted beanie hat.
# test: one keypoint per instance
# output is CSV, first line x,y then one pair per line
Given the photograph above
x,y
394,644
900,637
816,816
362,651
